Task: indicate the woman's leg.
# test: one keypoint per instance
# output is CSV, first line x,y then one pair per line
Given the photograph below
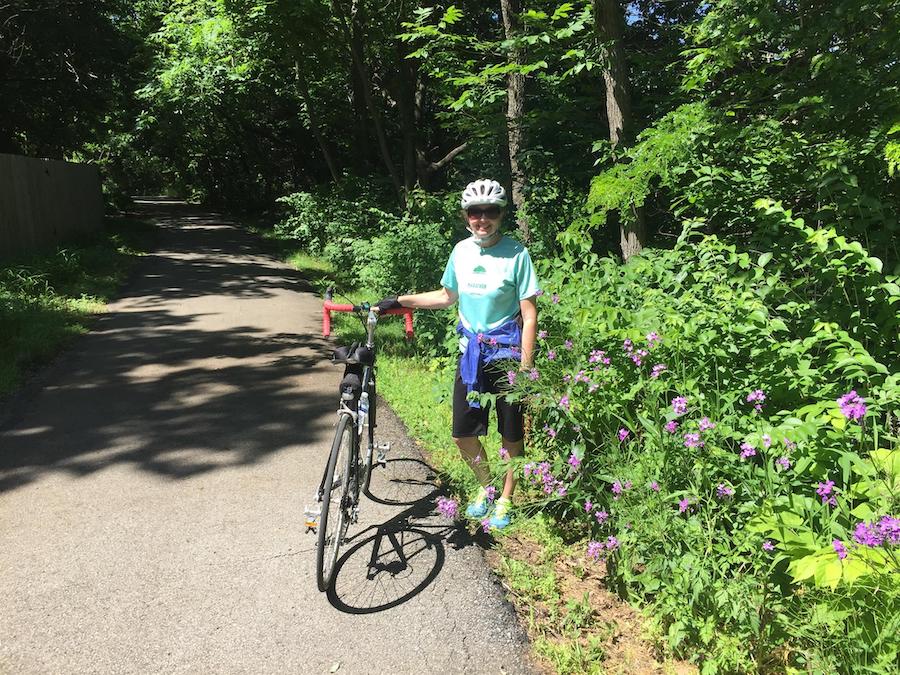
x,y
515,448
473,452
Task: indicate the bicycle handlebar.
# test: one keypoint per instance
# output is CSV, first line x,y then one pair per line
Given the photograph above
x,y
328,307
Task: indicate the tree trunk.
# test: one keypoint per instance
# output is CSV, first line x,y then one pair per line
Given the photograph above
x,y
515,110
609,22
357,54
406,102
314,123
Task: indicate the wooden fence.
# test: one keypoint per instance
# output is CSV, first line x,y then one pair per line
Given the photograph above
x,y
44,202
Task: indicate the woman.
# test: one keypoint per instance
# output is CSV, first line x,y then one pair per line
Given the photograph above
x,y
493,279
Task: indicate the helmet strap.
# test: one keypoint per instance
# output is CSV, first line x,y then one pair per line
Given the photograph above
x,y
484,241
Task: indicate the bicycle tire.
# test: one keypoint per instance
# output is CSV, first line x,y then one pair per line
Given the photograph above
x,y
334,518
370,447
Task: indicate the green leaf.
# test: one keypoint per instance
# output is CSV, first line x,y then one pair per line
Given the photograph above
x,y
451,16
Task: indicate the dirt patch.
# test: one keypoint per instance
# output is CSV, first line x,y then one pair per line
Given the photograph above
x,y
579,615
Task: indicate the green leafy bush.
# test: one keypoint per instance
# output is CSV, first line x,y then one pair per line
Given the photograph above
x,y
695,408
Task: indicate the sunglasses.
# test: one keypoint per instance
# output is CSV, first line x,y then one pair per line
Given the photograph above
x,y
488,212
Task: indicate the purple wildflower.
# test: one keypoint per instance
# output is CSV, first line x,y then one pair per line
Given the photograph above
x,y
684,505
653,339
616,489
533,374
706,425
757,396
593,387
639,356
511,377
599,355
554,298
601,516
623,434
853,407
747,450
564,403
723,491
447,507
574,462
657,370
839,548
492,342
789,444
679,405
768,545
594,549
542,334
480,338
504,453
766,441
612,543
567,344
671,426
692,441
538,293
551,355
825,491
486,525
490,492
784,463
551,432
628,346
889,529
867,534
654,486
588,506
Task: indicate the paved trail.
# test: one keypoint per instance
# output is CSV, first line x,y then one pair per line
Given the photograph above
x,y
151,495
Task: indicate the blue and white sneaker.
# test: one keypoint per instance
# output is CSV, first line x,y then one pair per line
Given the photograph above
x,y
479,507
500,517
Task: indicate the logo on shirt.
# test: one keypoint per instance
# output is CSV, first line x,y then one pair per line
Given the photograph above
x,y
479,270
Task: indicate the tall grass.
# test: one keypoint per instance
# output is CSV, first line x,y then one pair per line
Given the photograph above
x,y
48,298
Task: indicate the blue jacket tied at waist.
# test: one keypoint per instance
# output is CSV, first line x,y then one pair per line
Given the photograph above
x,y
502,342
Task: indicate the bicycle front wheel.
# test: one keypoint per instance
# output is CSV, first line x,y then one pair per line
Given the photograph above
x,y
335,517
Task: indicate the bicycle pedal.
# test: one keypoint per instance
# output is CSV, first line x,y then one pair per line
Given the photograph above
x,y
383,450
311,518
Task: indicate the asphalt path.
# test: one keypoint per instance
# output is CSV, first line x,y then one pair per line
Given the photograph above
x,y
153,479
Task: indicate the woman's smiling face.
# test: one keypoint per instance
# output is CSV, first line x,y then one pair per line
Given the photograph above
x,y
484,221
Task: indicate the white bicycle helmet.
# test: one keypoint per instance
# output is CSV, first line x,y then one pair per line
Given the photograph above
x,y
483,192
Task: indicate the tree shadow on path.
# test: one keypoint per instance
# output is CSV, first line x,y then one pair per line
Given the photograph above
x,y
197,366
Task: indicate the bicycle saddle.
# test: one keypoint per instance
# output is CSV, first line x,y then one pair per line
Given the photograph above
x,y
354,354
345,354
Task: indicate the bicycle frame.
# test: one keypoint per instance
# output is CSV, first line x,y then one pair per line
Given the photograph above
x,y
366,379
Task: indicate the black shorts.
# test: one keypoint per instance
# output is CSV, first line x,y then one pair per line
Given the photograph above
x,y
468,421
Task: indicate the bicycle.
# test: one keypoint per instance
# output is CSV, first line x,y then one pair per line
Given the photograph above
x,y
348,472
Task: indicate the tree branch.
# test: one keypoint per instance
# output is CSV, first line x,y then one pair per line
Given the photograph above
x,y
440,164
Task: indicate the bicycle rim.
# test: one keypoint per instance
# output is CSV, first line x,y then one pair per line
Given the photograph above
x,y
334,520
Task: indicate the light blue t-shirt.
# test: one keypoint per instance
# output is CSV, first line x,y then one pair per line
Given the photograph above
x,y
490,281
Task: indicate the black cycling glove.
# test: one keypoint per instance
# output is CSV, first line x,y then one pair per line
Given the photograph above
x,y
388,303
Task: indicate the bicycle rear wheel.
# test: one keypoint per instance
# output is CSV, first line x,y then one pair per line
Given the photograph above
x,y
335,516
